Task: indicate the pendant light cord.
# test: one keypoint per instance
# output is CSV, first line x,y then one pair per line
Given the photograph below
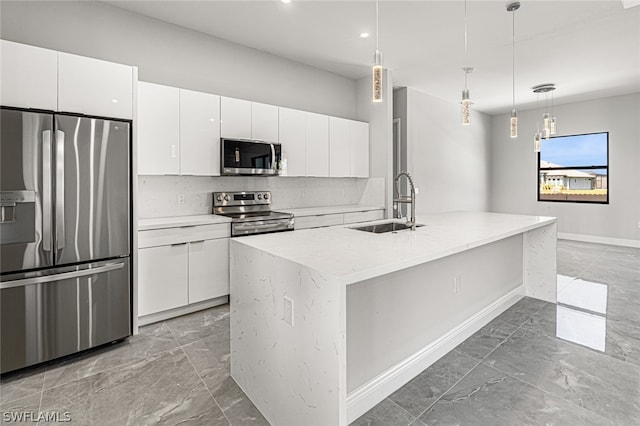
x,y
513,58
466,72
377,23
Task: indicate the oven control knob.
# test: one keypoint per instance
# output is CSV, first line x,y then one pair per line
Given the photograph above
x,y
259,196
266,196
219,198
227,197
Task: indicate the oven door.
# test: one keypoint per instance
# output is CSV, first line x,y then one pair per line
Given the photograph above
x,y
247,157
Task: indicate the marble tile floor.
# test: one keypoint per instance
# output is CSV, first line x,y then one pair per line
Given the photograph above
x,y
574,363
514,371
173,372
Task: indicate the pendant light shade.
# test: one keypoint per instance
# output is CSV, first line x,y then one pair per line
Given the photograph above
x,y
376,70
512,7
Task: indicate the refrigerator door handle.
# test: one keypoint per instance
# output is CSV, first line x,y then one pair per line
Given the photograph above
x,y
46,190
60,190
63,276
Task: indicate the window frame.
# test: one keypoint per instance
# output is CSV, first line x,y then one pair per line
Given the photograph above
x,y
592,167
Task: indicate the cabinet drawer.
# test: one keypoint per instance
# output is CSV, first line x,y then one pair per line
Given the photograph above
x,y
184,234
305,222
363,216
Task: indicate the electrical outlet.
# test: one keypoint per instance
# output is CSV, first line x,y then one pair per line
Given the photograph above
x,y
180,198
417,190
287,314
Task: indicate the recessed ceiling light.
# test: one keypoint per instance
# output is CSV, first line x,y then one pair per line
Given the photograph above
x,y
364,35
286,1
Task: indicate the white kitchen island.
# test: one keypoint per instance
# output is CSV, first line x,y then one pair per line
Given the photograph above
x,y
327,322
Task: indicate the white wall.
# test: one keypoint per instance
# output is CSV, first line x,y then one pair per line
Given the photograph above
x,y
172,55
514,165
449,163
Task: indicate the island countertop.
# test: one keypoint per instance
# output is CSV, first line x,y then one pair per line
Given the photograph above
x,y
350,255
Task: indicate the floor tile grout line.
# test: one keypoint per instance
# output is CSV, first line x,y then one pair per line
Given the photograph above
x,y
544,390
472,368
413,418
452,386
205,385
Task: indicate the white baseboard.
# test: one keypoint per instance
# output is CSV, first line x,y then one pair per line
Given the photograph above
x,y
373,392
182,310
599,240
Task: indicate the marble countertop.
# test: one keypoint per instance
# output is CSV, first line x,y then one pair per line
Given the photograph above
x,y
350,255
178,221
316,211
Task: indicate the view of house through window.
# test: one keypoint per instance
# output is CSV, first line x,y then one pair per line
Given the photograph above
x,y
574,168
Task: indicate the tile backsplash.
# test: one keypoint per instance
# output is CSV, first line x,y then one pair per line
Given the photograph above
x,y
158,195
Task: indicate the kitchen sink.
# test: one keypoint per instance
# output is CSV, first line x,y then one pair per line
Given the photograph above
x,y
381,228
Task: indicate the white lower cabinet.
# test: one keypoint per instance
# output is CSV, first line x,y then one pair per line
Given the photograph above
x,y
208,269
181,266
163,274
334,219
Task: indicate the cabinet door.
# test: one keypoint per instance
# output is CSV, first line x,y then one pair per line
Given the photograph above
x,y
162,278
317,145
292,138
264,122
158,129
28,76
339,147
94,87
235,116
208,269
199,133
359,135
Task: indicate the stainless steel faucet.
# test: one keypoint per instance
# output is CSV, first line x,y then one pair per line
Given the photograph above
x,y
402,199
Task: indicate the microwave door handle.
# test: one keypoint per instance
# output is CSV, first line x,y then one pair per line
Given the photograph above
x,y
59,190
273,156
46,190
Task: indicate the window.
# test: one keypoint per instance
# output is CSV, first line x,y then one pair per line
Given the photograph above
x,y
574,169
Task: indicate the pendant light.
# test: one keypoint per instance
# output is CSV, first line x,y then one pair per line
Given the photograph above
x,y
466,101
548,119
376,70
512,7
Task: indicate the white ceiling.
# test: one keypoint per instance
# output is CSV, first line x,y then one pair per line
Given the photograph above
x,y
589,49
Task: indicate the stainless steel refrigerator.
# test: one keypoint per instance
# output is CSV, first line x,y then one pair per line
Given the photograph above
x,y
65,234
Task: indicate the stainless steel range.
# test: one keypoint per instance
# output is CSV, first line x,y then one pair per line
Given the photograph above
x,y
251,213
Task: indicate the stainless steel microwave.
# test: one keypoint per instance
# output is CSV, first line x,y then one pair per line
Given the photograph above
x,y
249,157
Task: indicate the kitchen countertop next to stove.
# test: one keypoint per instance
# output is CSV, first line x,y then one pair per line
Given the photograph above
x,y
325,210
180,221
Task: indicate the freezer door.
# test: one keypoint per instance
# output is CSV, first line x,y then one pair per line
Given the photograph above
x,y
25,190
52,313
92,181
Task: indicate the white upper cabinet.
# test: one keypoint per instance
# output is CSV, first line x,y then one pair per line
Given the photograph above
x,y
199,133
235,116
264,122
242,119
94,87
158,129
28,76
339,147
293,135
359,138
317,146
